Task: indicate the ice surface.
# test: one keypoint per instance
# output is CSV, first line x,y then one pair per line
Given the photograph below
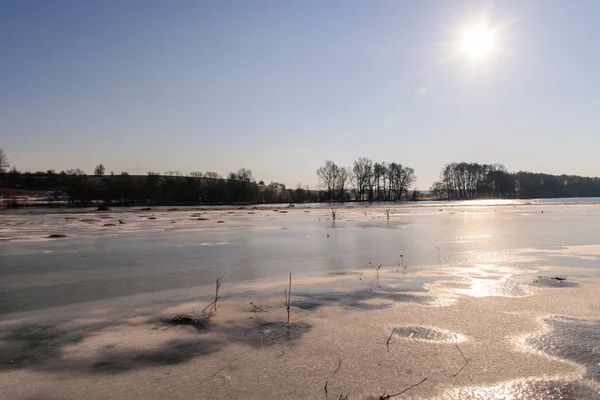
x,y
84,316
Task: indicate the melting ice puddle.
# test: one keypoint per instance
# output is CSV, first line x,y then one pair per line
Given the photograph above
x,y
502,288
422,333
574,339
530,389
552,282
360,299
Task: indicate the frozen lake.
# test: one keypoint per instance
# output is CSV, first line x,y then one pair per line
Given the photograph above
x,y
177,250
492,279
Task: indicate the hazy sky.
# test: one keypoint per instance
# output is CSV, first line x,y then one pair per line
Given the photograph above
x,y
280,86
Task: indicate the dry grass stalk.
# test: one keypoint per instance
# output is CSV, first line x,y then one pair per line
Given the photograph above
x,y
288,299
387,344
403,264
338,366
466,361
201,320
214,304
377,269
385,396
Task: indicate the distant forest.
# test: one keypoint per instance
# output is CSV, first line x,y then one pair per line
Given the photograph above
x,y
169,188
364,181
471,181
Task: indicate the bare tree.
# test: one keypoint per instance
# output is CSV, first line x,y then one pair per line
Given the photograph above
x,y
241,184
328,176
75,172
384,176
173,173
99,170
244,175
4,163
406,179
378,173
363,176
353,182
196,174
342,180
212,175
75,184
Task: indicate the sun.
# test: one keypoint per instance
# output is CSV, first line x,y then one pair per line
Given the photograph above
x,y
477,41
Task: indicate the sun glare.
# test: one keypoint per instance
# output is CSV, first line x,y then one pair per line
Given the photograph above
x,y
477,41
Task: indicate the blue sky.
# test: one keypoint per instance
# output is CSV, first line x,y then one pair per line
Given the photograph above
x,y
280,86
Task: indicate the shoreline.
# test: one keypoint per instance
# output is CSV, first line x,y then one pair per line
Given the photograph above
x,y
302,206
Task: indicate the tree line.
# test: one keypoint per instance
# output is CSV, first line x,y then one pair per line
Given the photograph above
x,y
168,188
472,180
366,180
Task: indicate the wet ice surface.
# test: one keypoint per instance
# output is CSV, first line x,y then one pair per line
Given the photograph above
x,y
88,310
530,389
428,334
573,339
141,256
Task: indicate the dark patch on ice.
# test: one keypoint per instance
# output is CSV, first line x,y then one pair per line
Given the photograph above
x,y
574,339
41,347
36,346
170,353
261,333
401,283
396,287
552,282
531,389
428,334
357,299
339,273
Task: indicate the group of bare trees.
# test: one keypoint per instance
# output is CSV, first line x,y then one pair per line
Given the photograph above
x,y
471,180
366,180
